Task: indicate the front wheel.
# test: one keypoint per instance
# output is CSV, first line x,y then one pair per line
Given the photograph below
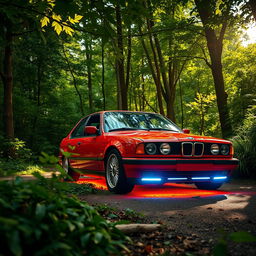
x,y
208,185
115,175
72,175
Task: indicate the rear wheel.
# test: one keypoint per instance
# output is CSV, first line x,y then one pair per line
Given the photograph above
x,y
115,175
208,185
73,175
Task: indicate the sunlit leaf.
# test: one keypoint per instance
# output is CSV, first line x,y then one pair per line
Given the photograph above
x,y
57,27
44,21
56,17
77,18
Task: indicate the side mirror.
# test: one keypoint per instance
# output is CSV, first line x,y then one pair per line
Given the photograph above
x,y
186,131
90,130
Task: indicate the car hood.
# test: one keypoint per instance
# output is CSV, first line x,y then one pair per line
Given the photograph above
x,y
163,136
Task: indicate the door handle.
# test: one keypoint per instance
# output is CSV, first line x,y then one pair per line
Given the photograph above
x,y
79,143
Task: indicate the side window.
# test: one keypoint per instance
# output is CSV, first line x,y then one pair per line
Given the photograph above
x,y
94,120
79,130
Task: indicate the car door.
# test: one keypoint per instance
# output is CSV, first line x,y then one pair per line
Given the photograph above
x,y
87,146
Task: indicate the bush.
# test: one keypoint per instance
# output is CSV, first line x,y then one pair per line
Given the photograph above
x,y
245,145
39,220
18,148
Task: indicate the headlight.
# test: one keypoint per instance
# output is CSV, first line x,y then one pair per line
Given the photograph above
x,y
150,148
165,148
224,149
215,149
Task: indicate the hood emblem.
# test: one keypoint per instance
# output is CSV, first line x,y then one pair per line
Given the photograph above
x,y
190,138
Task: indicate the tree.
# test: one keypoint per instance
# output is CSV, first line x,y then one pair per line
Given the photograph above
x,y
207,12
16,19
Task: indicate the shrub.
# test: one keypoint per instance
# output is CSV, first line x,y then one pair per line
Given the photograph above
x,y
245,145
18,147
36,220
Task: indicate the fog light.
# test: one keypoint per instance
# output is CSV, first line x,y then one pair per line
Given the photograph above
x,y
165,148
215,149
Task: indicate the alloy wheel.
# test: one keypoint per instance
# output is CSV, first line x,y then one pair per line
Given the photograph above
x,y
112,171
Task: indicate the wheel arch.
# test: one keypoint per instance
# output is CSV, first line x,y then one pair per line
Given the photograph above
x,y
108,150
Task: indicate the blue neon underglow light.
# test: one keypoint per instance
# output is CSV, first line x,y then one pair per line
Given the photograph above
x,y
151,179
200,178
177,178
220,177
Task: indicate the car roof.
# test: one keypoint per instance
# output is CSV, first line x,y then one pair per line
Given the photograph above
x,y
128,111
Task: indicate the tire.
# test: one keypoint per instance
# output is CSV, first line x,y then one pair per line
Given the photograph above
x,y
72,175
208,185
115,175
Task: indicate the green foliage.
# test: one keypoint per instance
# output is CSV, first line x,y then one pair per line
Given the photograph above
x,y
19,148
17,167
41,221
245,145
221,248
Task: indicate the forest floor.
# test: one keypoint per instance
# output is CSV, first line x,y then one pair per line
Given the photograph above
x,y
193,222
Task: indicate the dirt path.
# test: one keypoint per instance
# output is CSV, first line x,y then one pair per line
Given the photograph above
x,y
189,211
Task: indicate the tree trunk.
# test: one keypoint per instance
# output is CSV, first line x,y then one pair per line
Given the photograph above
x,y
7,78
215,46
74,80
252,4
129,55
103,75
155,75
88,53
181,105
120,61
37,95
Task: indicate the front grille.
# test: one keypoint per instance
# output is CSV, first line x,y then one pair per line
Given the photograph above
x,y
199,149
192,149
187,148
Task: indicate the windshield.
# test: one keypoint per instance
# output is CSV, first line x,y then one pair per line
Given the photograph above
x,y
117,121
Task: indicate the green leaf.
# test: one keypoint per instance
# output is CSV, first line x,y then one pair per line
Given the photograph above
x,y
242,236
112,216
8,221
97,237
40,210
85,239
14,243
220,249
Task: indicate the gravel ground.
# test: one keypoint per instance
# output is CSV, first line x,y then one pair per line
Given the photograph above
x,y
194,221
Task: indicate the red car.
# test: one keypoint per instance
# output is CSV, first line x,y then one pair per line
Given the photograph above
x,y
131,148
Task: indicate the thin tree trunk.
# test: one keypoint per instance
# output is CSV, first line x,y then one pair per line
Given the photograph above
x,y
88,53
38,101
129,55
252,4
120,60
7,78
155,74
74,80
103,75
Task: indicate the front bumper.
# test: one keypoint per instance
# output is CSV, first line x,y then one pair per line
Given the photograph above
x,y
169,170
